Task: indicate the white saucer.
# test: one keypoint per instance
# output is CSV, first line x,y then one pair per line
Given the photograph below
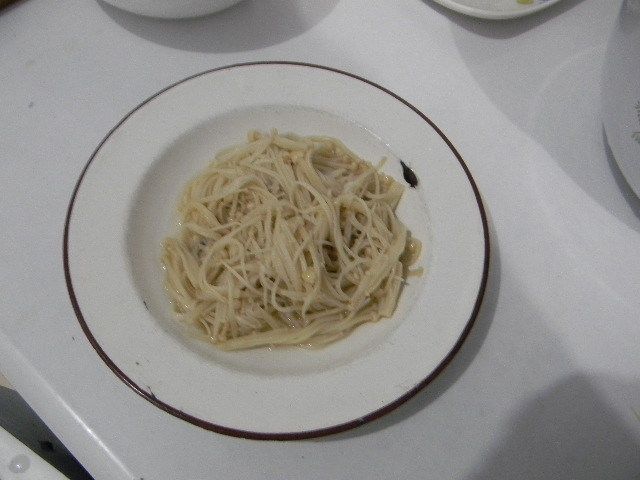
x,y
496,9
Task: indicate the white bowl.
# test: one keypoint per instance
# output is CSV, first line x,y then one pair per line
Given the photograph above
x,y
172,8
621,93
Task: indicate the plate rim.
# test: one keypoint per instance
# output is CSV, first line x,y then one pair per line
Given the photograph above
x,y
296,435
488,15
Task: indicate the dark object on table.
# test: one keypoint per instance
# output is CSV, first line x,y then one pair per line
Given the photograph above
x,y
17,418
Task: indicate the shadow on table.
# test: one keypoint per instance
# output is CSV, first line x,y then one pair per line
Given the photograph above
x,y
249,25
17,418
569,431
552,99
461,360
7,5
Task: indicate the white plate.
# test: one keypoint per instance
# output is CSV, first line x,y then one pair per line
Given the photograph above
x,y
496,9
123,207
621,93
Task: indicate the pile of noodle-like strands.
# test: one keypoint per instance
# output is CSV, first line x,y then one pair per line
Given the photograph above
x,y
286,240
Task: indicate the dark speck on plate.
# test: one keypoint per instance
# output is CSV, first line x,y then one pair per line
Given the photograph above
x,y
153,395
409,176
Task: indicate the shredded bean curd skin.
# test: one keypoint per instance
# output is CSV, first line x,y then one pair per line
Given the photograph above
x,y
287,240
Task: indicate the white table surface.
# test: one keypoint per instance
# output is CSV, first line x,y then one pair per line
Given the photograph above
x,y
547,384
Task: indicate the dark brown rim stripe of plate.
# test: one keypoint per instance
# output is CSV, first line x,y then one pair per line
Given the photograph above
x,y
147,395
